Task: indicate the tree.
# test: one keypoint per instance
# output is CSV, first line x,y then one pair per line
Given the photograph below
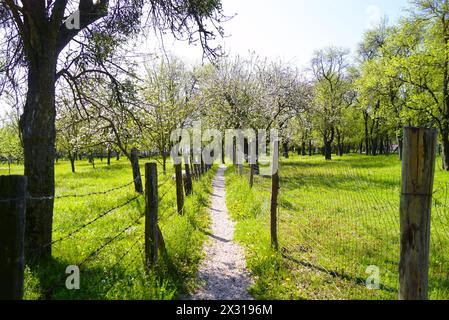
x,y
329,67
169,90
381,98
37,37
227,95
244,93
421,64
74,133
286,94
113,117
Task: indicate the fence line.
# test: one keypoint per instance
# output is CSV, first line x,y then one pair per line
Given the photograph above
x,y
104,214
96,193
117,237
28,197
140,253
352,222
120,260
94,253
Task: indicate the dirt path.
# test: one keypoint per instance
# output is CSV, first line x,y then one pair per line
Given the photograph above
x,y
223,274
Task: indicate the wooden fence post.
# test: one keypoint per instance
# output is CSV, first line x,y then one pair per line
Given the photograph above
x,y
418,169
274,198
251,175
188,180
198,171
13,190
136,171
151,216
179,188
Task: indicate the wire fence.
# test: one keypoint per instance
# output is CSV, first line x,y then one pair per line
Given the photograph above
x,y
103,232
339,225
344,221
86,230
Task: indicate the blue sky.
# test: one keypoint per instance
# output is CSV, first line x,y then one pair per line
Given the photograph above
x,y
289,29
293,29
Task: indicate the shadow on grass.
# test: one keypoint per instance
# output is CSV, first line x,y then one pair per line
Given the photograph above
x,y
344,276
51,273
440,285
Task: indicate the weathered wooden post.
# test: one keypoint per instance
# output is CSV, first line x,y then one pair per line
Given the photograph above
x,y
188,181
192,167
136,171
198,170
151,216
13,190
274,196
418,169
179,188
251,175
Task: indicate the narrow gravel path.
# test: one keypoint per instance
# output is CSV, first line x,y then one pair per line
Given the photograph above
x,y
223,274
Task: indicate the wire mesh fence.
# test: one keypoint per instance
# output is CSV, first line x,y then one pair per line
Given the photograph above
x,y
344,220
339,227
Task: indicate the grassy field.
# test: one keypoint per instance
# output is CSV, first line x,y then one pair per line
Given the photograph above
x,y
335,220
117,271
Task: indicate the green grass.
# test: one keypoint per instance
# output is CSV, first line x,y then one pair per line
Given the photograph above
x,y
117,271
335,220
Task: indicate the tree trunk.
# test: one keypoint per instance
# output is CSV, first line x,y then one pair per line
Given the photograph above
x,y
328,139
381,146
109,157
38,130
367,146
445,143
303,149
164,164
136,171
328,150
246,150
387,146
339,150
374,147
92,160
310,148
72,163
375,140
285,150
